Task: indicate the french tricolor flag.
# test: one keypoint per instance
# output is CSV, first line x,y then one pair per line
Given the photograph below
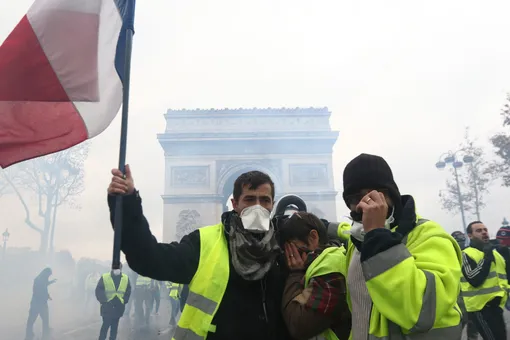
x,y
61,75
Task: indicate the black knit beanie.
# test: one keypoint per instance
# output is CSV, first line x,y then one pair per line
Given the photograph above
x,y
371,172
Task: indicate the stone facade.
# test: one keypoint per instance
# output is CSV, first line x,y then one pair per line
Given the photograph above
x,y
205,151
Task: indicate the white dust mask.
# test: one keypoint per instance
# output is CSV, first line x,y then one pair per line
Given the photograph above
x,y
116,272
256,219
390,219
358,232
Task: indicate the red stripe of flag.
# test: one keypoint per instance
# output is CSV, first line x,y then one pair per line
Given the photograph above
x,y
37,116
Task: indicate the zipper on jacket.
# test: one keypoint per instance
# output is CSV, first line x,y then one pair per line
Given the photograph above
x,y
263,287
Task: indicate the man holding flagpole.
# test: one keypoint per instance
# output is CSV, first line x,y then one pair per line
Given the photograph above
x,y
235,281
64,74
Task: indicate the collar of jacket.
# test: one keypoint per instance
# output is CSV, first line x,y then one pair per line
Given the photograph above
x,y
476,245
225,219
406,222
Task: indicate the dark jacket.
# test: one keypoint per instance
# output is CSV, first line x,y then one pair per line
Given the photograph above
x,y
40,295
184,296
322,305
242,313
115,308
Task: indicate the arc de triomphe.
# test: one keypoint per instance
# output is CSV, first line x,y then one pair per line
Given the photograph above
x,y
205,151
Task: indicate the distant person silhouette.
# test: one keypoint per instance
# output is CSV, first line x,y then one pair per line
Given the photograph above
x,y
39,304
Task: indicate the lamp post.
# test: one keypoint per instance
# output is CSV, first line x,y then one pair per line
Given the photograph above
x,y
451,158
5,237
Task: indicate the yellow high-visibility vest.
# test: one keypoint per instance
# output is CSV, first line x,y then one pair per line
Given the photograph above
x,y
423,309
331,260
109,287
207,287
175,290
496,284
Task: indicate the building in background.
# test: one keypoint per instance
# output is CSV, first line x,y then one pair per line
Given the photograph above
x,y
206,150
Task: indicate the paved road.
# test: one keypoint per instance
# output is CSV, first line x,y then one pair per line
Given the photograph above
x,y
127,331
87,327
158,330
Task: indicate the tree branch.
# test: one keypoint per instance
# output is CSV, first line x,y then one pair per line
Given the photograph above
x,y
28,221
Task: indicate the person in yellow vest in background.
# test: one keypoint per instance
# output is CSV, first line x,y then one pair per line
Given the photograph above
x,y
233,267
339,230
403,271
484,283
314,299
143,301
112,291
471,329
174,293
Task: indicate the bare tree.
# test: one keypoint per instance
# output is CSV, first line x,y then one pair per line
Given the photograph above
x,y
470,182
501,142
4,186
55,179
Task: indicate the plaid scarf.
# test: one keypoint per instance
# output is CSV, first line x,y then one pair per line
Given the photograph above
x,y
252,256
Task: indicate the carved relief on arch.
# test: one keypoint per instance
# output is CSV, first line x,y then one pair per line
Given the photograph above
x,y
189,221
190,176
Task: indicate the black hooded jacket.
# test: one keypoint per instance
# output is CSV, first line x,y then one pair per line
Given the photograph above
x,y
40,293
249,310
379,240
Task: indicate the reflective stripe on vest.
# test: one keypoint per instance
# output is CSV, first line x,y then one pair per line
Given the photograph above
x,y
143,281
495,285
331,260
109,287
207,287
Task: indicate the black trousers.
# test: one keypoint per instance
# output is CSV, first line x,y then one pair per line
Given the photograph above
x,y
109,323
157,299
38,309
490,322
471,328
143,298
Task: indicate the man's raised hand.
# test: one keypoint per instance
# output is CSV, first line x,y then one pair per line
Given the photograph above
x,y
121,184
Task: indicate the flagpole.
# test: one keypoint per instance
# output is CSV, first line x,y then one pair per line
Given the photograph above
x,y
117,227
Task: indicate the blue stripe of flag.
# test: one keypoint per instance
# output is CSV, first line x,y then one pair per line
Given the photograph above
x,y
127,13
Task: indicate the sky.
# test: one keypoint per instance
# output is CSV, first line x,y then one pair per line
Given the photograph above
x,y
402,79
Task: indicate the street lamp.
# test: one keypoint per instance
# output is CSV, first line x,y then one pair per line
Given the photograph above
x,y
451,158
5,237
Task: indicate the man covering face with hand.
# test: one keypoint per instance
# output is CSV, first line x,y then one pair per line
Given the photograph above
x,y
235,284
402,270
